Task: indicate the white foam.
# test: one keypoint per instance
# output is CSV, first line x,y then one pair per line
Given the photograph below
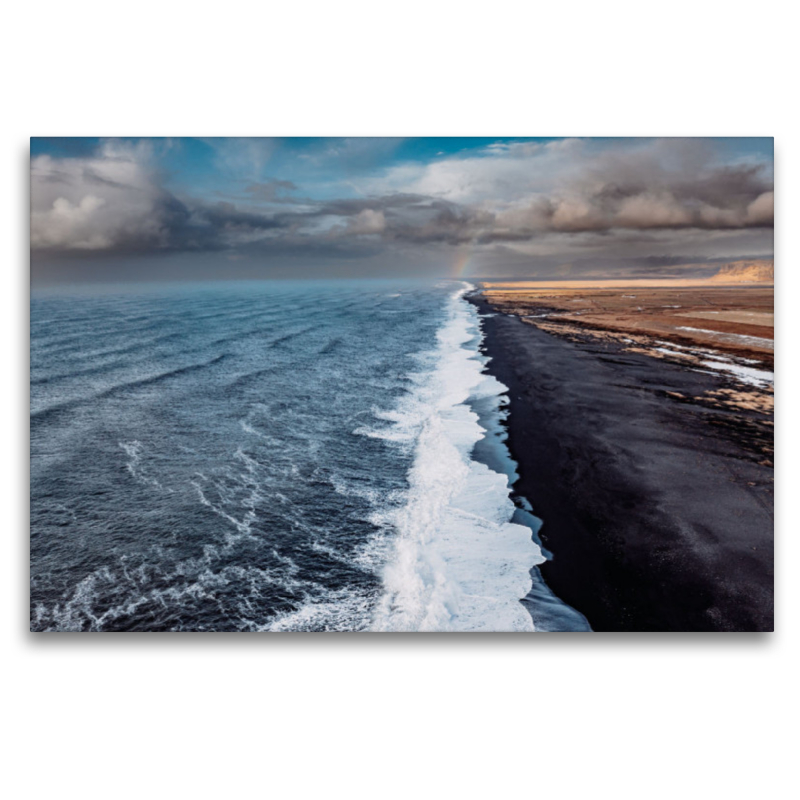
x,y
457,563
245,494
340,610
134,452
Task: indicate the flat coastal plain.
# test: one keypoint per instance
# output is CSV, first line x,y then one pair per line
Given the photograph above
x,y
642,420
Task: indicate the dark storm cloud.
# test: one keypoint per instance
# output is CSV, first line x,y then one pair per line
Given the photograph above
x,y
440,221
353,206
225,217
725,198
410,218
115,204
537,201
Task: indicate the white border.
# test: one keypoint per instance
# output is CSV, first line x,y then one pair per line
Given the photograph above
x,y
637,716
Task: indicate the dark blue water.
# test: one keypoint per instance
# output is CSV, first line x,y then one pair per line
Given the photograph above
x,y
195,456
275,456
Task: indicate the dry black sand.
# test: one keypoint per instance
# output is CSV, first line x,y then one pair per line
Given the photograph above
x,y
657,511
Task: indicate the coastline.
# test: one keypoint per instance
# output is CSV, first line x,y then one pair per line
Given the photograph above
x,y
658,510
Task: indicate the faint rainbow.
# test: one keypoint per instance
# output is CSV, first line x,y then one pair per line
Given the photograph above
x,y
461,263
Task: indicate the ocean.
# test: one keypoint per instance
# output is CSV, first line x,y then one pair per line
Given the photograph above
x,y
275,456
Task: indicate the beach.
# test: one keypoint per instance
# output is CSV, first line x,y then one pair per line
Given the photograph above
x,y
648,456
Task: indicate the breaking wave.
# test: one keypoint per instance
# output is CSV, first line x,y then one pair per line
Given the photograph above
x,y
458,563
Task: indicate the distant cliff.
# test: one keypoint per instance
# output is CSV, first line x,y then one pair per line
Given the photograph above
x,y
746,272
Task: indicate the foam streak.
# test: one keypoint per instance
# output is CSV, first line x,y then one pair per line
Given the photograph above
x,y
458,564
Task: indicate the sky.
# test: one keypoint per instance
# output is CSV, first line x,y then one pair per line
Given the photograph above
x,y
193,208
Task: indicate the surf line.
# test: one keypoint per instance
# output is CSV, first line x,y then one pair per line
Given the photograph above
x,y
463,558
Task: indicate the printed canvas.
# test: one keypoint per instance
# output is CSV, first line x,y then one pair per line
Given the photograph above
x,y
401,385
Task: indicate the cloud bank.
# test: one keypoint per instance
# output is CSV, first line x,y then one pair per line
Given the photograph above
x,y
527,200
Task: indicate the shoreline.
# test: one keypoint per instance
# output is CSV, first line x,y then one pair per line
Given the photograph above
x,y
658,509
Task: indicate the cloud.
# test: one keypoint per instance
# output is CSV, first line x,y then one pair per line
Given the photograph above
x,y
367,221
112,201
243,156
577,186
271,191
70,224
761,211
354,153
226,218
639,207
548,200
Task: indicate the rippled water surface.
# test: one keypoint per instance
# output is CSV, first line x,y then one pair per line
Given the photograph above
x,y
195,455
272,456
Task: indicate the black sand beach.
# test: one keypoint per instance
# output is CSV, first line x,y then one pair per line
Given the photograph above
x,y
658,510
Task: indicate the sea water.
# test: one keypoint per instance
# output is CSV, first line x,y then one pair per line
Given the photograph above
x,y
274,456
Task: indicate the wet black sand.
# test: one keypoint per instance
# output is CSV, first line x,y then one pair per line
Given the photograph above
x,y
657,510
